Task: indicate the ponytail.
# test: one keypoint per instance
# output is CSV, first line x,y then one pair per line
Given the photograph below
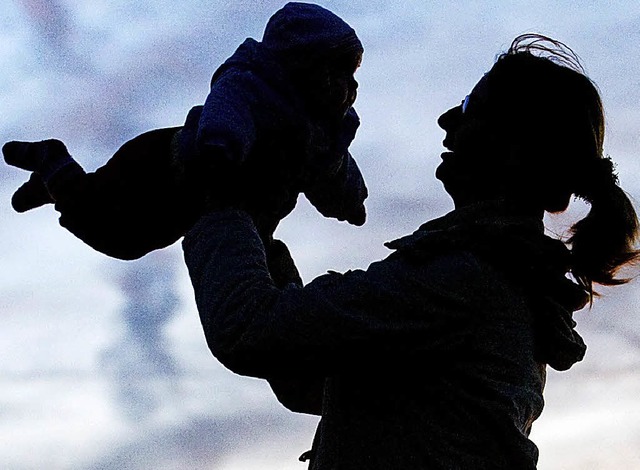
x,y
540,80
603,241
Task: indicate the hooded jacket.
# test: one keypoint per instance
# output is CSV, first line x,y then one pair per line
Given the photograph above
x,y
142,200
255,114
433,358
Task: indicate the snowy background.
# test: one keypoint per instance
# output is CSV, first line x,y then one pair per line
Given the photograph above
x,y
102,362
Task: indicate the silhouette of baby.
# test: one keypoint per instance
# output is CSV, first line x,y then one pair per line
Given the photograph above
x,y
278,119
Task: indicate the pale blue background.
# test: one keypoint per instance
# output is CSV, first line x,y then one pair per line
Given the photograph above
x,y
102,362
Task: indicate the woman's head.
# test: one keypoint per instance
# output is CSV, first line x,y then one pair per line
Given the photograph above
x,y
529,124
532,132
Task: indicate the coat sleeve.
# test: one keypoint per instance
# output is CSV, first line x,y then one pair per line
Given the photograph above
x,y
298,394
335,323
227,123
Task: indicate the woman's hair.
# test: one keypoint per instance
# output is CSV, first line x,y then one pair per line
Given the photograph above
x,y
552,115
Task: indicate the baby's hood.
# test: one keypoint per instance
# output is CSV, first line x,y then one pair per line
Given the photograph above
x,y
302,31
311,30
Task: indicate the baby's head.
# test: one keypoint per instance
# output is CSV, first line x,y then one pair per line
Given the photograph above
x,y
321,53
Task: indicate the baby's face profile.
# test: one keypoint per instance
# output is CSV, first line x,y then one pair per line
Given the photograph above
x,y
343,86
333,88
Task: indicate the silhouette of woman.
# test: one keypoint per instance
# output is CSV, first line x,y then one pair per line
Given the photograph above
x,y
436,356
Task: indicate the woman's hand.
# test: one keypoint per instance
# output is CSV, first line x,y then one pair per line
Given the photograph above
x,y
222,183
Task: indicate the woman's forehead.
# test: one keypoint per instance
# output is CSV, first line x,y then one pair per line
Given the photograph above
x,y
480,88
478,94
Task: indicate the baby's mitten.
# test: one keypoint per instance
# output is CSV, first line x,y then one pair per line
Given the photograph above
x,y
335,184
52,170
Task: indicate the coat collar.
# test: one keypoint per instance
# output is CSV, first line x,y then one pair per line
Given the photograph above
x,y
515,244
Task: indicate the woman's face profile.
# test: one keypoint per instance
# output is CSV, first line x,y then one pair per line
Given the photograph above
x,y
466,167
458,121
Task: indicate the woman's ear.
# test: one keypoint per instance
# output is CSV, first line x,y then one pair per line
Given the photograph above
x,y
530,176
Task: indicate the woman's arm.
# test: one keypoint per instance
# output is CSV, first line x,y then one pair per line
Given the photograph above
x,y
298,394
337,322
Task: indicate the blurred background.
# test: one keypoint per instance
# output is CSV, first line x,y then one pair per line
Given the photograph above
x,y
102,362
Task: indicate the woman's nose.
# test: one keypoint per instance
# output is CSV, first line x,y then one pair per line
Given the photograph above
x,y
449,118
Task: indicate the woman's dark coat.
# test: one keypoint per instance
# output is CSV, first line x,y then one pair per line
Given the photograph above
x,y
431,358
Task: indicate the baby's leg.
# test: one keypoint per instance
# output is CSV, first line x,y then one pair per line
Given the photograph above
x,y
133,204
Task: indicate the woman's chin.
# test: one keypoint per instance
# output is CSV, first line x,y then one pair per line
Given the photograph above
x,y
444,170
443,174
456,183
